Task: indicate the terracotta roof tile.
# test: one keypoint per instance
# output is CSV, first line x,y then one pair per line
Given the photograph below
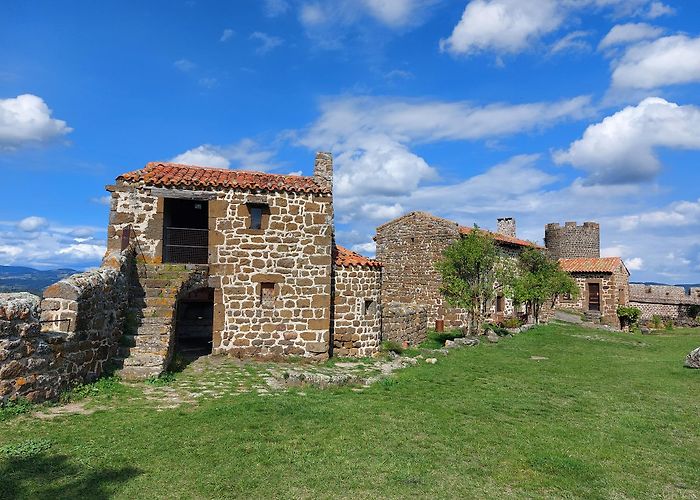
x,y
160,174
590,265
344,257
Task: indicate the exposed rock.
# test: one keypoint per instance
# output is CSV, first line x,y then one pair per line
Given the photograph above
x,y
693,359
461,341
492,337
432,361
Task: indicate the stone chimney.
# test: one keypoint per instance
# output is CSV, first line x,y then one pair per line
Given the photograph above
x,y
323,170
506,226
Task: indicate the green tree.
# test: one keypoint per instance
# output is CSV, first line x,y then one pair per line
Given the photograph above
x,y
470,270
540,279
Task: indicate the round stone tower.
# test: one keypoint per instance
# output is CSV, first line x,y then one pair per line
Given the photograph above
x,y
572,241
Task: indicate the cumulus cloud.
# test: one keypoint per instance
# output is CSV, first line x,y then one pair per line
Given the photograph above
x,y
36,242
514,26
668,60
265,42
504,26
31,224
658,9
621,148
622,34
247,154
677,215
26,119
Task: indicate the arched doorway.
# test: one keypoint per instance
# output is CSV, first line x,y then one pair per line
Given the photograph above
x,y
194,324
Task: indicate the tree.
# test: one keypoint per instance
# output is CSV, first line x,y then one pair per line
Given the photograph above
x,y
540,280
470,270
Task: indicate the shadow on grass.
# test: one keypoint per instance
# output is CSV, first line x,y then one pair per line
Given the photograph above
x,y
52,477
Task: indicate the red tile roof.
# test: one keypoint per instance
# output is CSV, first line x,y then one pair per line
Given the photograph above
x,y
502,238
600,265
344,257
160,174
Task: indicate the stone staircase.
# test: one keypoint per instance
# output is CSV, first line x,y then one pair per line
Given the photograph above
x,y
146,347
592,317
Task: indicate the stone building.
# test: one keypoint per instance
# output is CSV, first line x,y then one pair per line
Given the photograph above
x,y
240,263
603,286
408,248
572,241
667,302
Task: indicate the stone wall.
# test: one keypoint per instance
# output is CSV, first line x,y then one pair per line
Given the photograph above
x,y
573,241
68,338
357,319
408,248
668,302
404,323
614,292
292,254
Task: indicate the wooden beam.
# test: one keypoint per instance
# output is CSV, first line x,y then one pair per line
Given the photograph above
x,y
183,194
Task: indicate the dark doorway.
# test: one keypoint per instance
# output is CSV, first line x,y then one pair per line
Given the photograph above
x,y
186,231
194,325
594,296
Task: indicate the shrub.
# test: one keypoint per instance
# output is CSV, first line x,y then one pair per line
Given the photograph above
x,y
668,324
656,322
512,322
694,311
391,346
628,315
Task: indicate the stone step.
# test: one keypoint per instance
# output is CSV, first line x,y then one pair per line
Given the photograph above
x,y
136,351
144,359
153,312
156,302
138,372
146,335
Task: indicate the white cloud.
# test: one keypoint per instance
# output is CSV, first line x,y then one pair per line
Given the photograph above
x,y
631,32
274,8
184,65
208,82
266,42
621,148
514,26
634,264
102,200
504,26
667,61
31,224
35,242
396,12
26,119
227,35
245,154
679,214
572,42
658,9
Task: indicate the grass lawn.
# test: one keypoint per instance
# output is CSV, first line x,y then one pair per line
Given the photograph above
x,y
605,415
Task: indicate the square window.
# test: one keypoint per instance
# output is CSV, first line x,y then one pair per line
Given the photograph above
x,y
267,294
258,215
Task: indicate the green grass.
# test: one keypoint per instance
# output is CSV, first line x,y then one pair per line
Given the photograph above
x,y
604,416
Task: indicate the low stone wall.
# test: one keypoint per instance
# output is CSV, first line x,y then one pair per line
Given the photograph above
x,y
356,311
667,302
69,337
404,323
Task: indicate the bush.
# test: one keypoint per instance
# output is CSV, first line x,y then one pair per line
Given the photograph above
x,y
656,322
694,311
512,322
628,315
668,325
391,346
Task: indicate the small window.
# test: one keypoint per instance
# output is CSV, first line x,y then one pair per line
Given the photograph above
x,y
567,296
267,294
369,307
258,215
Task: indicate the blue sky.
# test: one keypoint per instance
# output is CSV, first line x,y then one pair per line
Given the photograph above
x,y
547,110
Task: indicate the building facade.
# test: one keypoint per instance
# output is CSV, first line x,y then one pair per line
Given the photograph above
x,y
408,248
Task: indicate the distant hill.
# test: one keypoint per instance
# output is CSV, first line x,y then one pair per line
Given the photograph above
x,y
26,279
